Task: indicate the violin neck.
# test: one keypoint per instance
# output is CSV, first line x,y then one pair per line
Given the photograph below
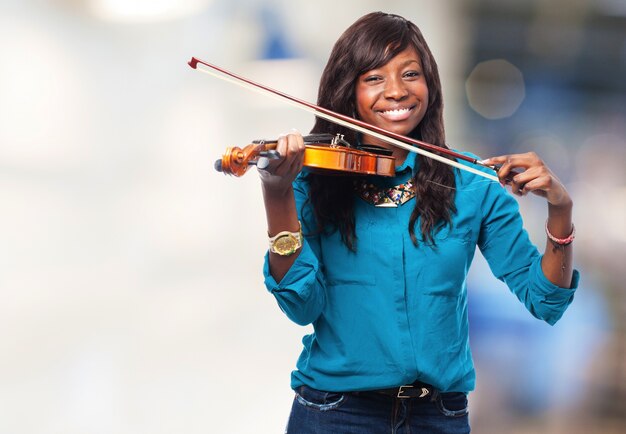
x,y
308,140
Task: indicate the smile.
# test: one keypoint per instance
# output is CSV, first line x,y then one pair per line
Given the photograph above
x,y
397,114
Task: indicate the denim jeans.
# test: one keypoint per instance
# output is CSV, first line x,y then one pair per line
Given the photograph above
x,y
318,412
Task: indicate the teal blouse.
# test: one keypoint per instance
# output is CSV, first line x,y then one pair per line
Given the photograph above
x,y
393,313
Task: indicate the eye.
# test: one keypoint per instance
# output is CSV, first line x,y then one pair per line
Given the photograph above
x,y
372,78
412,74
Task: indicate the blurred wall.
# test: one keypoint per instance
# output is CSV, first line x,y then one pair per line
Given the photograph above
x,y
131,296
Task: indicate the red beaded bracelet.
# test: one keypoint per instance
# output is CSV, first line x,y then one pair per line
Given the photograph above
x,y
561,241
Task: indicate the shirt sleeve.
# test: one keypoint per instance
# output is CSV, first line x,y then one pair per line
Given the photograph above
x,y
301,292
515,260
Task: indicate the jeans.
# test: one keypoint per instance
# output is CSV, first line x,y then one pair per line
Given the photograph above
x,y
318,412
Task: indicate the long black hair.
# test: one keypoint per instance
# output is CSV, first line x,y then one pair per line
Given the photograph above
x,y
369,43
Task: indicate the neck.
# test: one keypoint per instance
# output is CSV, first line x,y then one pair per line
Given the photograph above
x,y
398,153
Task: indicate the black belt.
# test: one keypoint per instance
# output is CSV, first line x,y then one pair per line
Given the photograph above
x,y
415,390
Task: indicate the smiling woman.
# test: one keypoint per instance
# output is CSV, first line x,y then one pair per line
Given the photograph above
x,y
378,266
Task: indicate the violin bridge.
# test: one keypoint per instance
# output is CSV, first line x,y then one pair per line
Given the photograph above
x,y
338,141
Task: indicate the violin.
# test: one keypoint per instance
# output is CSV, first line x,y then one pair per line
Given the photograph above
x,y
324,153
440,154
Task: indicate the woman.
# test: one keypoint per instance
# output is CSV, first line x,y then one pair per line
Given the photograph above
x,y
384,286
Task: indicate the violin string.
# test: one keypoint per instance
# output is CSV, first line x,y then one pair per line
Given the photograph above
x,y
201,67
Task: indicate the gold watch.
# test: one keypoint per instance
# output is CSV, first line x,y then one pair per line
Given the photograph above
x,y
286,243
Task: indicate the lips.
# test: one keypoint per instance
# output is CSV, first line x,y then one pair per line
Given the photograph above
x,y
398,114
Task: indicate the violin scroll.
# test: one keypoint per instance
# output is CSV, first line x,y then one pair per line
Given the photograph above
x,y
236,161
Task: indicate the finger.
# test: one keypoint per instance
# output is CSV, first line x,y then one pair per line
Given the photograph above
x,y
298,154
517,188
281,145
504,171
288,155
275,165
521,180
499,164
296,148
536,186
495,160
516,160
291,147
538,170
507,167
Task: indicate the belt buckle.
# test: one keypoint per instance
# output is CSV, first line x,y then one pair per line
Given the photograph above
x,y
401,391
423,393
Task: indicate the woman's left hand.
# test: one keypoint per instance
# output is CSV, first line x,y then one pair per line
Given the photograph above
x,y
536,178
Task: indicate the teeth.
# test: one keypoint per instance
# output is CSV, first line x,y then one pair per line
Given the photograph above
x,y
396,112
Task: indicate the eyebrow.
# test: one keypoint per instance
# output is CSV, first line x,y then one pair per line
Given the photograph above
x,y
412,61
403,64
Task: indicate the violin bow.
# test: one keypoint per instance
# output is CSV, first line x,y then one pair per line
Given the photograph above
x,y
398,140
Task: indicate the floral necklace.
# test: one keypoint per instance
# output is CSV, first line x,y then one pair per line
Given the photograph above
x,y
385,197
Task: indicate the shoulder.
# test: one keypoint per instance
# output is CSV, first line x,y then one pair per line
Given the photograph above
x,y
486,193
466,178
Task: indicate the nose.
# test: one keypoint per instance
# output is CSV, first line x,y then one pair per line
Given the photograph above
x,y
395,88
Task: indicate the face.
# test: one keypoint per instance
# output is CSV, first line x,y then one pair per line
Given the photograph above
x,y
394,96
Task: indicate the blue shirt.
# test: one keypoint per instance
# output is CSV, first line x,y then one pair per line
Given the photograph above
x,y
393,313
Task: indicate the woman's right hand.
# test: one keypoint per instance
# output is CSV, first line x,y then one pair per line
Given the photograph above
x,y
277,175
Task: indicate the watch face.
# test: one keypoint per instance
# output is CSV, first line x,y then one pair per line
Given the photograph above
x,y
286,245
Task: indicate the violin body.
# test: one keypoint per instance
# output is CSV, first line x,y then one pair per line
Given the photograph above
x,y
326,158
349,161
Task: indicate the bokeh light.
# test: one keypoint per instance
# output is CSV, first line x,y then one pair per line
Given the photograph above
x,y
495,89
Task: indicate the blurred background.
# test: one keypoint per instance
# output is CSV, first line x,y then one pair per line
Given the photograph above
x,y
131,295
